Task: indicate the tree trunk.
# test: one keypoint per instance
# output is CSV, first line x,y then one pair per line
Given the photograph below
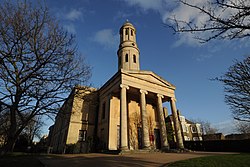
x,y
10,144
11,140
12,134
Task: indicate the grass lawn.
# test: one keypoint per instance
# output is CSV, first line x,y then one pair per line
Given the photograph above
x,y
20,160
235,160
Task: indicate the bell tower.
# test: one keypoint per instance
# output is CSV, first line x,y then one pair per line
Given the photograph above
x,y
128,52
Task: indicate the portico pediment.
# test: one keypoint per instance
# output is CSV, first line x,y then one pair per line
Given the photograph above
x,y
149,77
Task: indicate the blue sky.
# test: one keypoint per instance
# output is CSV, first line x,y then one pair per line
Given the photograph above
x,y
179,59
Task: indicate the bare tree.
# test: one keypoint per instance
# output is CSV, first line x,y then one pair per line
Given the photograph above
x,y
39,65
243,127
4,123
237,88
219,19
33,129
206,127
223,19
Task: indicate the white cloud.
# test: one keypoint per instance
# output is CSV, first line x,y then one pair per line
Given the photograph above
x,y
186,39
74,14
167,9
187,14
70,28
69,18
107,38
146,4
191,15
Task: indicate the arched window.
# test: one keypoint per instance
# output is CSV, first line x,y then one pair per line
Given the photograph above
x,y
134,58
126,57
126,31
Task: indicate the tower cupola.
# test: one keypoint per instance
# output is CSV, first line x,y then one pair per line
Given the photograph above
x,y
128,52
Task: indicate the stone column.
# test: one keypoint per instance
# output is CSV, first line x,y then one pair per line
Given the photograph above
x,y
177,128
144,118
163,131
123,118
165,111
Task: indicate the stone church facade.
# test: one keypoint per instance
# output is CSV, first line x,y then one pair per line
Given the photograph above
x,y
126,113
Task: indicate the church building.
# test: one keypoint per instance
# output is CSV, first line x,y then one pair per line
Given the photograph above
x,y
126,113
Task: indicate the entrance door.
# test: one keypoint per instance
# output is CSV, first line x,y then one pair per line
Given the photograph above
x,y
139,135
157,138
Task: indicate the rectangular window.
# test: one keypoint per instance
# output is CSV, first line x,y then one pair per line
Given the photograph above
x,y
82,135
126,57
134,58
103,110
132,33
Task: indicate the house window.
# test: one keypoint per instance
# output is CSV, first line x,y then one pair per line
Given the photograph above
x,y
126,57
134,58
193,129
82,135
103,110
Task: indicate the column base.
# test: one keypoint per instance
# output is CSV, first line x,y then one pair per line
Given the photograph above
x,y
165,149
180,146
123,148
146,148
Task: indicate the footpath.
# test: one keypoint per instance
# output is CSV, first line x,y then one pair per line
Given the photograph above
x,y
108,160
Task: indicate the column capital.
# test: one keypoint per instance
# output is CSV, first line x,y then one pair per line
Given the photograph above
x,y
124,86
143,91
173,99
160,95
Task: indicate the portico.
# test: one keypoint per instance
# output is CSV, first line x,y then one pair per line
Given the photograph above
x,y
131,112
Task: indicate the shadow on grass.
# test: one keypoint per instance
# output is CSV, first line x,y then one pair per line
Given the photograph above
x,y
20,160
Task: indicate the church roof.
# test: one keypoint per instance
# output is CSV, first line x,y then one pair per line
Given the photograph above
x,y
127,23
150,76
134,75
